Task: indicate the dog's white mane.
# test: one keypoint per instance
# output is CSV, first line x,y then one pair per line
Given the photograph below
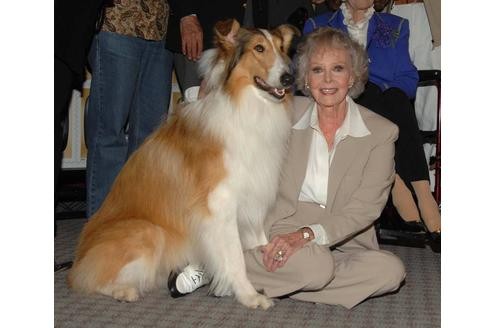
x,y
211,69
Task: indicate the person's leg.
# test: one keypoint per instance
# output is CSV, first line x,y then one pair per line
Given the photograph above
x,y
186,72
316,274
359,274
297,274
412,164
114,60
410,157
287,279
152,95
309,269
430,212
403,201
402,198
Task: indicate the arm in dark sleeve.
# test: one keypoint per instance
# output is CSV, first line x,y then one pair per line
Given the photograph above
x,y
405,75
184,7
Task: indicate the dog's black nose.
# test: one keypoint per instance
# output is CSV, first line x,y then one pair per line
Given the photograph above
x,y
286,79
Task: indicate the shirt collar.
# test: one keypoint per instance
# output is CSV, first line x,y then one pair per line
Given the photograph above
x,y
348,17
353,124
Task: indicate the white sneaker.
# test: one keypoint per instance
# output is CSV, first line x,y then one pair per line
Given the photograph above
x,y
190,279
191,94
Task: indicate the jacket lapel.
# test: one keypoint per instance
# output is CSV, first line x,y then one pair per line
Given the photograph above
x,y
294,170
297,161
299,157
346,152
371,30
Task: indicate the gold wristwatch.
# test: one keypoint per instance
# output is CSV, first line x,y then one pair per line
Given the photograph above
x,y
305,233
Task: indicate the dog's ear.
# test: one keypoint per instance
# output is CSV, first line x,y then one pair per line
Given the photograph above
x,y
226,32
287,32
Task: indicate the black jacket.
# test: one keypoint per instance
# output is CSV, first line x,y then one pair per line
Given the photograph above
x,y
74,28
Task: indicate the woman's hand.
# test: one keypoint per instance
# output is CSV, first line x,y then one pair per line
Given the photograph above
x,y
280,248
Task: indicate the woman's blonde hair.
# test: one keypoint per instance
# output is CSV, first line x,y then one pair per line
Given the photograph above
x,y
327,37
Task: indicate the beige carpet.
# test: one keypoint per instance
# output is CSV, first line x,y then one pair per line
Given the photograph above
x,y
417,304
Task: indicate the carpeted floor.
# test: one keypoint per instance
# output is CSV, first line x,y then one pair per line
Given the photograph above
x,y
417,304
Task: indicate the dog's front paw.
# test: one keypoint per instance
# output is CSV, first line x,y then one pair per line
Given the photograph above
x,y
253,301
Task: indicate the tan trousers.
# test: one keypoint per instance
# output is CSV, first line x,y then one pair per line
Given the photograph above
x,y
346,276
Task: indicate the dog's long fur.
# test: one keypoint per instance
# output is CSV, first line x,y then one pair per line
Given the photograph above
x,y
198,189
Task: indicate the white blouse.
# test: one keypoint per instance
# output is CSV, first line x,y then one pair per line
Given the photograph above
x,y
357,31
315,185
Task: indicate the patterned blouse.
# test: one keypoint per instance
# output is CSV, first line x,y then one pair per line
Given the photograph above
x,y
145,19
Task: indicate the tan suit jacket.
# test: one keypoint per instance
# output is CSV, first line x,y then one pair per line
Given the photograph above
x,y
354,269
360,178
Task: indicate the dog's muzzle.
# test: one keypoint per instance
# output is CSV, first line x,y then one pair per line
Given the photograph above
x,y
286,80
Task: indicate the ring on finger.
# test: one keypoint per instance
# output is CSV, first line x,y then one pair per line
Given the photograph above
x,y
279,256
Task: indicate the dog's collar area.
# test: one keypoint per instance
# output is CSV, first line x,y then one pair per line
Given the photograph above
x,y
261,84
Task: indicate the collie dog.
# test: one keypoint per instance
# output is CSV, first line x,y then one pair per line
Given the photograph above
x,y
199,188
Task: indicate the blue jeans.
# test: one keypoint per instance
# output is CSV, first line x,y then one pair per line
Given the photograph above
x,y
130,87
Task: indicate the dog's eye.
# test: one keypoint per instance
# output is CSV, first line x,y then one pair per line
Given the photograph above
x,y
259,48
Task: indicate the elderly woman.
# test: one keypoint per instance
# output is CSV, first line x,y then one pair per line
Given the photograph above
x,y
392,84
335,183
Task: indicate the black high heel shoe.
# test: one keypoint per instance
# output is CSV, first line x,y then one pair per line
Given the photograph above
x,y
433,238
393,230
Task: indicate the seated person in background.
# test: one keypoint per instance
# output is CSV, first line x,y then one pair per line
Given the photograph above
x,y
392,84
335,183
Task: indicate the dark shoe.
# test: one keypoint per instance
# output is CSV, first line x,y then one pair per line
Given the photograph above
x,y
410,226
63,266
172,279
401,233
433,238
187,281
405,226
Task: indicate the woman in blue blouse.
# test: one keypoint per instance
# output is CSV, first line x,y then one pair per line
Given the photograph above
x,y
392,84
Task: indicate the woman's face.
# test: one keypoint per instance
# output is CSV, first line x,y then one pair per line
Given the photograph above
x,y
330,76
360,4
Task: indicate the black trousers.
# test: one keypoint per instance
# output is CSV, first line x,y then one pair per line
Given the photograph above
x,y
393,104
